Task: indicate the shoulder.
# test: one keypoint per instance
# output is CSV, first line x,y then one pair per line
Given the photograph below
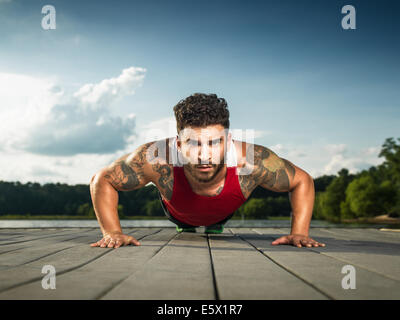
x,y
153,152
249,154
159,166
259,165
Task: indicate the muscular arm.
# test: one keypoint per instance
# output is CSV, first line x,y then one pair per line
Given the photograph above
x,y
266,169
130,172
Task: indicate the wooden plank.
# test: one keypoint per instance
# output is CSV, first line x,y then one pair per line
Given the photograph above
x,y
361,234
94,279
76,233
29,237
382,257
181,270
64,261
323,271
18,254
244,273
33,232
17,245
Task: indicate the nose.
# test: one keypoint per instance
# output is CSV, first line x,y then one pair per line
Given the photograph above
x,y
204,154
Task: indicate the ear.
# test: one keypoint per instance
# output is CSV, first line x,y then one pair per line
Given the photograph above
x,y
229,140
178,142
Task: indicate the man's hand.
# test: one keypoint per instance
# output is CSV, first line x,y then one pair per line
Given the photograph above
x,y
298,240
115,240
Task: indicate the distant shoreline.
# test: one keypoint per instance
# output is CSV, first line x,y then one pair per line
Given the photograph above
x,y
382,219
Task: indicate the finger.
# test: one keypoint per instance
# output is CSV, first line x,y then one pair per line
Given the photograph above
x,y
281,240
105,243
111,243
117,244
306,243
94,244
317,244
98,243
134,241
297,243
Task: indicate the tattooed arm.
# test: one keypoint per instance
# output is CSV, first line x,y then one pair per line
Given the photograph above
x,y
266,169
130,172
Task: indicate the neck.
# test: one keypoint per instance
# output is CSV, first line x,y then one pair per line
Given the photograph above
x,y
216,180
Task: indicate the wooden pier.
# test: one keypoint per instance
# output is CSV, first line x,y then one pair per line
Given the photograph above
x,y
239,264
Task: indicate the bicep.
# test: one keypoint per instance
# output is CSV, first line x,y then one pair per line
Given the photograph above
x,y
128,172
280,175
272,172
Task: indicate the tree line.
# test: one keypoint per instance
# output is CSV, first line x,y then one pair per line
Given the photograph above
x,y
368,193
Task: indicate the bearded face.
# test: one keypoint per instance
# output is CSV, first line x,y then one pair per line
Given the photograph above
x,y
203,150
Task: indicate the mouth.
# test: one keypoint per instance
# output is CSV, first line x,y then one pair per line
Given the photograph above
x,y
204,167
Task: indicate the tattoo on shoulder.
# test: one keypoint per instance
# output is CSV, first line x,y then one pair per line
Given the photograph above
x,y
127,173
265,168
123,177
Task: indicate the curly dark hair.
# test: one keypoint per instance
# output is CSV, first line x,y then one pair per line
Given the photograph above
x,y
201,110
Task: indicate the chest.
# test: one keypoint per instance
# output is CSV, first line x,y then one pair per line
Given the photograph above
x,y
165,184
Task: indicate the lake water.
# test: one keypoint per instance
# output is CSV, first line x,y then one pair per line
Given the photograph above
x,y
167,223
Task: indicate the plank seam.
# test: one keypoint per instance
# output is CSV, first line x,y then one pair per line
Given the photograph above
x,y
286,269
12,250
216,292
361,267
39,238
66,270
344,260
105,291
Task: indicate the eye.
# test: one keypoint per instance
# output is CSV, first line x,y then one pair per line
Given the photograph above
x,y
193,143
216,142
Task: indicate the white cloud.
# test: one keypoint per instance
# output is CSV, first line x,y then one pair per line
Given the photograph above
x,y
279,149
40,118
111,90
372,151
336,148
41,125
43,171
354,163
327,159
248,135
157,129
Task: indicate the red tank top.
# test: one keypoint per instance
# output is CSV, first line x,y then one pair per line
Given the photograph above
x,y
197,210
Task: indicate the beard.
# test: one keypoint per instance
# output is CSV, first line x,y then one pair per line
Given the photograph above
x,y
207,176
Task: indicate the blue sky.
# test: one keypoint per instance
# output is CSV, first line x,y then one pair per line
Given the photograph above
x,y
319,96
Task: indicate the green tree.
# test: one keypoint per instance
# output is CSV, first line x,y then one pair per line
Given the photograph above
x,y
86,210
390,170
120,209
389,195
362,198
328,204
391,152
153,208
252,208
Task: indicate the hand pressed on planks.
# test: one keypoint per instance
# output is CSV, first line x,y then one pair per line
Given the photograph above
x,y
298,240
115,240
